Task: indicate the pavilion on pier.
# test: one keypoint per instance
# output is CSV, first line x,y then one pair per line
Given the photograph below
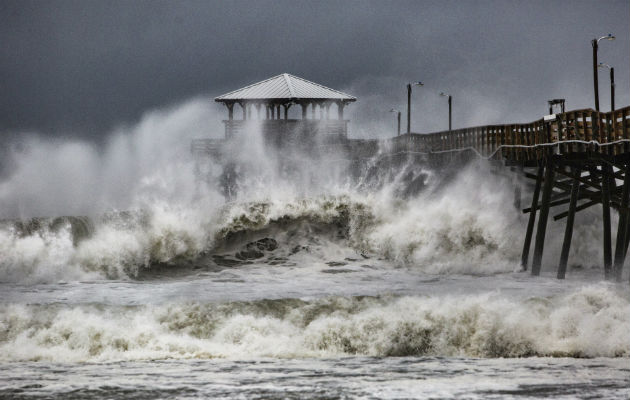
x,y
266,104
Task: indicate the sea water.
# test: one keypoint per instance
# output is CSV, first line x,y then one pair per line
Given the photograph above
x,y
308,283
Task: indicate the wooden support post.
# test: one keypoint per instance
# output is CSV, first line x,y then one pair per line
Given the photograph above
x,y
606,221
340,106
230,107
286,111
622,228
532,219
313,105
304,107
517,195
544,214
568,230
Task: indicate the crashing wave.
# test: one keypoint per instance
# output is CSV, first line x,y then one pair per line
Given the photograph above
x,y
589,322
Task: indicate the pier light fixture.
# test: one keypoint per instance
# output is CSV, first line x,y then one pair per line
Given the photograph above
x,y
450,108
393,110
409,85
595,44
612,83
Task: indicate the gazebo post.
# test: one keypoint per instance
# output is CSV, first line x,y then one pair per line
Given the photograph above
x,y
244,107
258,110
286,110
340,106
304,106
327,110
312,110
230,107
266,111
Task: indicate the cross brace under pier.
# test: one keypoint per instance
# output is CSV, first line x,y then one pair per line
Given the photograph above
x,y
592,180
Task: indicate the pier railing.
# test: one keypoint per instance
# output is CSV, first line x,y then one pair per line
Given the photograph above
x,y
572,131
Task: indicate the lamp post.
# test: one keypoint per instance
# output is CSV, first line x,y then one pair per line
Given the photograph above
x,y
450,108
595,43
409,85
612,84
398,117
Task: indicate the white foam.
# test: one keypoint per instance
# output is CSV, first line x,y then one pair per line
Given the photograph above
x,y
589,322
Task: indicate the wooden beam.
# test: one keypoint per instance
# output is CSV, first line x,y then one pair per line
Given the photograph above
x,y
568,230
606,224
532,219
544,214
622,229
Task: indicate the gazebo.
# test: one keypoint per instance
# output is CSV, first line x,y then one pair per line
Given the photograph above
x,y
278,94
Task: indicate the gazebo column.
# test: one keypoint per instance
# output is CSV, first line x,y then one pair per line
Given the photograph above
x,y
230,107
340,106
313,110
327,110
258,110
304,107
321,111
286,110
266,111
244,107
278,111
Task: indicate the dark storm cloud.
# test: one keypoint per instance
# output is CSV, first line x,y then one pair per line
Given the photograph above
x,y
82,67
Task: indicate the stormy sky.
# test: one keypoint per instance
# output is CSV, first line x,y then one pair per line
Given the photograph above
x,y
82,68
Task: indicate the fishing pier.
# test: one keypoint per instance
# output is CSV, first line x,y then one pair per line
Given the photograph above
x,y
577,159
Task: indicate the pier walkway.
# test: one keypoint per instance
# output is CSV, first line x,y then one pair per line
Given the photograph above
x,y
577,159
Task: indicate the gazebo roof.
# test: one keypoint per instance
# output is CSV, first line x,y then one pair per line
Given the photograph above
x,y
284,87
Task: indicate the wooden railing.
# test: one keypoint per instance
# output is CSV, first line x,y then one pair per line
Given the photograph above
x,y
570,130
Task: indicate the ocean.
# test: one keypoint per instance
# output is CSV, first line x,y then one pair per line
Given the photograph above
x,y
125,272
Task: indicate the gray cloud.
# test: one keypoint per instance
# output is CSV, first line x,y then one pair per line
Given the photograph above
x,y
83,67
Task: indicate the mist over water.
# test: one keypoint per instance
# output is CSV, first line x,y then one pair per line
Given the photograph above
x,y
131,251
146,202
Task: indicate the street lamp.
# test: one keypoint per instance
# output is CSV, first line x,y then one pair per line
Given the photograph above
x,y
612,84
398,117
450,108
409,85
595,43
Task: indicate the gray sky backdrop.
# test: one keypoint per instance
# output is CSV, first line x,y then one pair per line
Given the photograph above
x,y
81,68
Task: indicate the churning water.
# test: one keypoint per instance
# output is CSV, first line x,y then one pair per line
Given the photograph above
x,y
310,283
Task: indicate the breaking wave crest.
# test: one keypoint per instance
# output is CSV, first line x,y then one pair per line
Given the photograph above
x,y
589,322
432,235
468,226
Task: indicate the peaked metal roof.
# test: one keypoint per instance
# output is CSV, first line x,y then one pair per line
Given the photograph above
x,y
285,87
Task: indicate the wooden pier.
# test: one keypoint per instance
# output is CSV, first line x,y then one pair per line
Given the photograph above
x,y
577,159
581,159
